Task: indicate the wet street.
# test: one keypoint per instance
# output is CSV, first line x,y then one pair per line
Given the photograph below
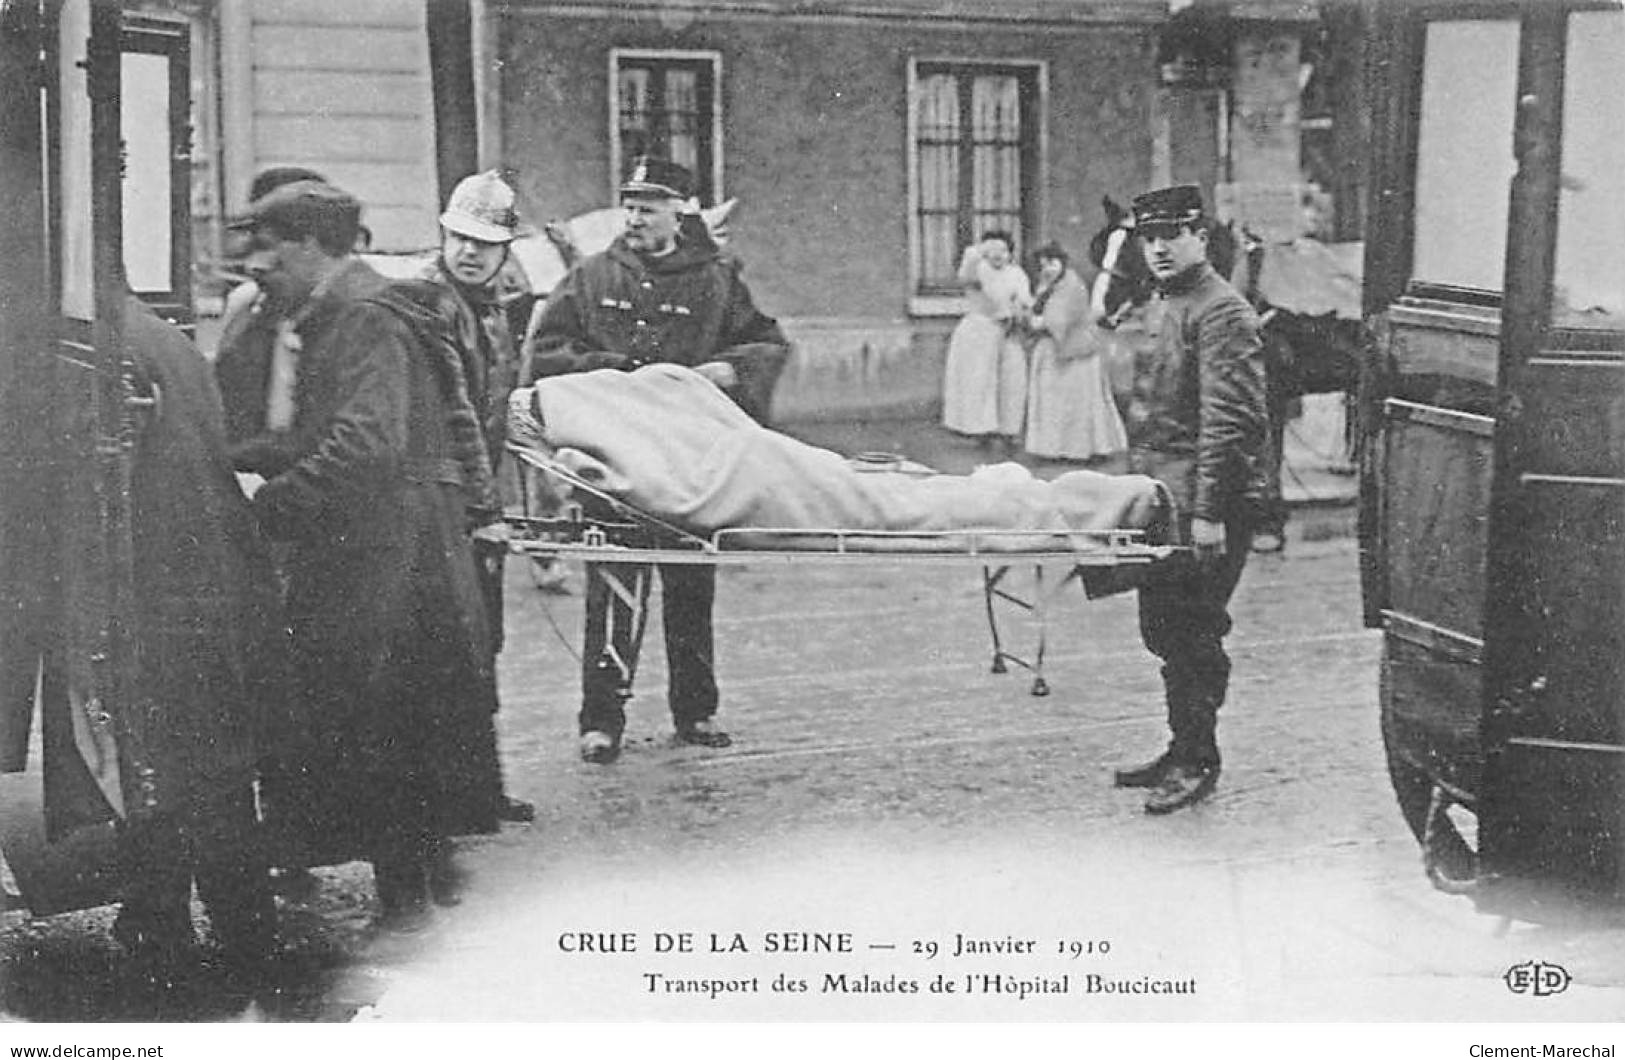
x,y
898,833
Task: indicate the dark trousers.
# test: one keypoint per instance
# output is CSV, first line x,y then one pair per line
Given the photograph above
x,y
1184,617
215,839
687,595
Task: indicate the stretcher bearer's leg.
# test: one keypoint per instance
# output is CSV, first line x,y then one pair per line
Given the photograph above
x,y
688,597
617,610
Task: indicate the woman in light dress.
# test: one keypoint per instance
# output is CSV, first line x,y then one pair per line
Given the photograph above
x,y
1070,411
984,386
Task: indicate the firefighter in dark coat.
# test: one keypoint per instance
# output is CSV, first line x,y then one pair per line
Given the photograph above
x,y
1197,421
372,487
210,679
662,293
479,223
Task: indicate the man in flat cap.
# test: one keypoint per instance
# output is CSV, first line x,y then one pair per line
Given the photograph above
x,y
1197,421
253,363
372,486
662,292
252,360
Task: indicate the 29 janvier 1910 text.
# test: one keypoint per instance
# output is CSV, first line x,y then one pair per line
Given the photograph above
x,y
821,942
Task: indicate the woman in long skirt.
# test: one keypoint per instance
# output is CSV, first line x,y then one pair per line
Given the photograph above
x,y
1070,411
984,387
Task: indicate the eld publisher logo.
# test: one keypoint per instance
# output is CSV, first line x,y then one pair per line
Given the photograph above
x,y
1538,978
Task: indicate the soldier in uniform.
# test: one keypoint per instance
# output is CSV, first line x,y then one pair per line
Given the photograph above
x,y
1197,421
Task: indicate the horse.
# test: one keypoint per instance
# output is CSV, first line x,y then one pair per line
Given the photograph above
x,y
1304,353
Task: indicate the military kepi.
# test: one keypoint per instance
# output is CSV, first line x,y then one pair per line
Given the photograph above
x,y
1180,204
658,177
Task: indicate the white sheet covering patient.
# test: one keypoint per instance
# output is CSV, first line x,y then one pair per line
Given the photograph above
x,y
667,441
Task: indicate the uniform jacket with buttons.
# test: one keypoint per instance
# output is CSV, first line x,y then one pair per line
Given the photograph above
x,y
620,309
1198,419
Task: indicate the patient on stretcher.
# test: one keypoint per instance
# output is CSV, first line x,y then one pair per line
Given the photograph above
x,y
668,442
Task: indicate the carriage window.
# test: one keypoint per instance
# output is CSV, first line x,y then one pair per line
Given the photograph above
x,y
1589,287
666,105
1464,161
148,238
974,160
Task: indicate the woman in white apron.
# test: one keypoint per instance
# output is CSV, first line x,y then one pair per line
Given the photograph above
x,y
984,386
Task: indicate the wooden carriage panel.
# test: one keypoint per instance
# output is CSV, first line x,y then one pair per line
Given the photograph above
x,y
1459,343
1576,633
1434,516
1575,419
1430,702
1554,815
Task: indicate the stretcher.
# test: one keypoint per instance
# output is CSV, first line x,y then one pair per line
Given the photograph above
x,y
620,542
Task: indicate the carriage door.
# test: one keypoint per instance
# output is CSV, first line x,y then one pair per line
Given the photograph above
x,y
1555,605
156,134
106,163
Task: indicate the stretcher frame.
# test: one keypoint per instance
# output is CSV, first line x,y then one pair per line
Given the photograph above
x,y
622,544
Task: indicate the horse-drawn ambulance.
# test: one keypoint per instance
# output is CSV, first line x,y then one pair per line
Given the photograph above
x,y
1493,501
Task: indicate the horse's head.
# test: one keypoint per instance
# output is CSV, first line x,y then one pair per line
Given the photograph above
x,y
1124,282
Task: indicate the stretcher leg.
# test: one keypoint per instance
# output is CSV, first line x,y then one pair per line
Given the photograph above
x,y
628,585
994,591
990,588
1041,612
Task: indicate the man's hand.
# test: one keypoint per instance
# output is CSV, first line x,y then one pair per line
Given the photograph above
x,y
1207,537
719,372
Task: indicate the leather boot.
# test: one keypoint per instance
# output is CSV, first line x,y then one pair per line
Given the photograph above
x,y
1146,775
1183,785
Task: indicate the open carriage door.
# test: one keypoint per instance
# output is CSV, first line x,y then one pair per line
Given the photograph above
x,y
1493,553
71,546
1554,632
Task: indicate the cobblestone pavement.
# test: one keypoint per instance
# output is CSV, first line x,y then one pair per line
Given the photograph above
x,y
887,795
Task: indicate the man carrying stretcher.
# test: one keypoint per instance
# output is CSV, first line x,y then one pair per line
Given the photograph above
x,y
662,293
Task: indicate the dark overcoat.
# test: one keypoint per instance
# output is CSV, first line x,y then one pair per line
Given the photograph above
x,y
210,638
388,626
